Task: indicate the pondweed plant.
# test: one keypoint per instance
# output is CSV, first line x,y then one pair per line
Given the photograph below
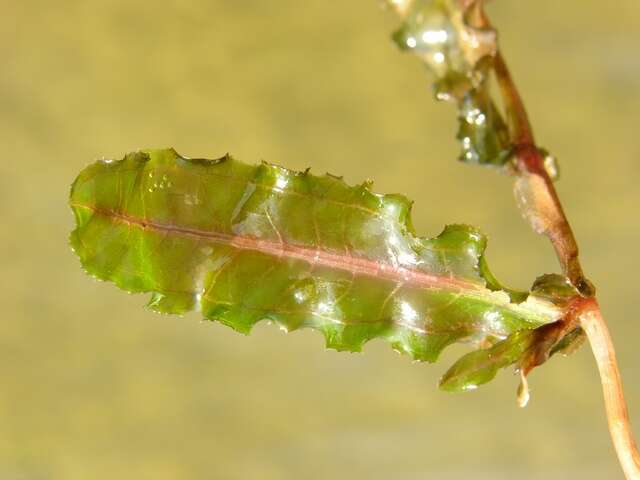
x,y
244,243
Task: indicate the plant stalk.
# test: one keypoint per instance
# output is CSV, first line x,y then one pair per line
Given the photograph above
x,y
618,417
546,213
542,207
540,204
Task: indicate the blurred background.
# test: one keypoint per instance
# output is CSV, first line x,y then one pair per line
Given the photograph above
x,y
94,386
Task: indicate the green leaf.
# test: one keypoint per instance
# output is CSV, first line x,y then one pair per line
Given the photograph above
x,y
244,243
479,367
527,349
483,133
449,40
454,40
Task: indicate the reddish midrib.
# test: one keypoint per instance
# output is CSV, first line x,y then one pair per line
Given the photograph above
x,y
313,256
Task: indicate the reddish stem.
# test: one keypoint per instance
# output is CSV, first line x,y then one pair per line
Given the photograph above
x,y
618,417
531,169
544,210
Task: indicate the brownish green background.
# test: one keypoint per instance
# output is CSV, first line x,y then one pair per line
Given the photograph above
x,y
92,386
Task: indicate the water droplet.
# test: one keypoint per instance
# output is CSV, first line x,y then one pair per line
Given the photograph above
x,y
407,312
435,36
551,166
443,96
438,57
281,183
523,391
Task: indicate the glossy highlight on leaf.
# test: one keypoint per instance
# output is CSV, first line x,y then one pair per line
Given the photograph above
x,y
454,40
483,133
442,33
243,243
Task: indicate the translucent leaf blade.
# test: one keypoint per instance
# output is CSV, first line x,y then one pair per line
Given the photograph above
x,y
482,132
455,41
447,36
245,243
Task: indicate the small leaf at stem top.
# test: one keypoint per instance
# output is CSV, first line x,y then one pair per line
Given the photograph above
x,y
441,33
526,349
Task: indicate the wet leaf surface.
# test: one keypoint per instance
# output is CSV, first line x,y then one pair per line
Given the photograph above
x,y
244,243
